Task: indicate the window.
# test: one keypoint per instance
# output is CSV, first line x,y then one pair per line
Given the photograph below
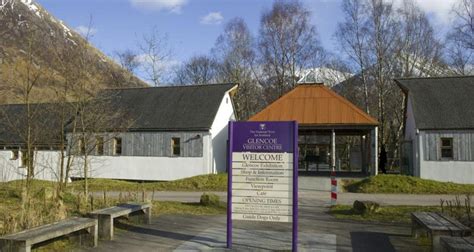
x,y
14,155
99,146
447,148
23,159
82,147
175,146
118,146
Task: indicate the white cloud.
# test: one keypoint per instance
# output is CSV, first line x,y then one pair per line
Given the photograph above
x,y
441,9
86,31
165,67
212,18
147,59
173,6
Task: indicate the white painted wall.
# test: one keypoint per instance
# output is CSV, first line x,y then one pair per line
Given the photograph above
x,y
411,135
46,166
219,133
213,159
113,167
447,171
410,126
147,168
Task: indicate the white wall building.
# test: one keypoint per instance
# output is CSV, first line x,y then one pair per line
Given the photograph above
x,y
439,128
176,132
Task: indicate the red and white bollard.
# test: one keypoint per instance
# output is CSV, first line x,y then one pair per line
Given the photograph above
x,y
333,188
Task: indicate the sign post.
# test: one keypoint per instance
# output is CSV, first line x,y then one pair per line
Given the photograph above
x,y
263,174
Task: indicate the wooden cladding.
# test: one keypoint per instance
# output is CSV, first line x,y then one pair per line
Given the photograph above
x,y
456,145
147,144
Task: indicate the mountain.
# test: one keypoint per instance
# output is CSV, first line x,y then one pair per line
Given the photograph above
x,y
39,50
328,76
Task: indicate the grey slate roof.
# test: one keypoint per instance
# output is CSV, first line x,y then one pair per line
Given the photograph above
x,y
170,108
175,108
441,102
45,126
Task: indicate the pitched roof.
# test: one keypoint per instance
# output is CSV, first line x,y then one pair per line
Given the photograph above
x,y
441,102
314,105
44,129
178,108
171,108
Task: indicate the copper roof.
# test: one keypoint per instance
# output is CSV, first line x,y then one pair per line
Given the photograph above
x,y
314,105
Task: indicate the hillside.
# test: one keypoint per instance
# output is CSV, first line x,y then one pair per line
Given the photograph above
x,y
38,50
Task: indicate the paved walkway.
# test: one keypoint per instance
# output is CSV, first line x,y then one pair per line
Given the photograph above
x,y
322,196
318,232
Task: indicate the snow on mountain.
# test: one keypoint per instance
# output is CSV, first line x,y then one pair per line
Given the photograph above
x,y
26,27
30,4
328,76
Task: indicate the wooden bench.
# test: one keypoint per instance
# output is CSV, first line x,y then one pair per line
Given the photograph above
x,y
106,216
456,244
23,241
436,225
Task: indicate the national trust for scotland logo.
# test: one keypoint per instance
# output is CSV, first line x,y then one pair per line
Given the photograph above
x,y
262,126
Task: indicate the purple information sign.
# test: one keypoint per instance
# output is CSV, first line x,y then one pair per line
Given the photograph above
x,y
263,174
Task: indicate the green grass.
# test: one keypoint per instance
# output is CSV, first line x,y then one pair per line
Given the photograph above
x,y
213,182
44,209
392,214
169,207
405,184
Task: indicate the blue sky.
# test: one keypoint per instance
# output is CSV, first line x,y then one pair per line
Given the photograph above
x,y
192,26
119,24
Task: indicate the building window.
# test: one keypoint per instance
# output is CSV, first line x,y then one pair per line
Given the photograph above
x,y
175,146
82,147
99,146
117,146
447,148
14,155
23,159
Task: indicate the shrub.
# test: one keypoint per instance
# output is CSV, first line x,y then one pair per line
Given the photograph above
x,y
209,199
365,207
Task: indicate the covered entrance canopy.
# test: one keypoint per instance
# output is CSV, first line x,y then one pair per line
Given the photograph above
x,y
333,132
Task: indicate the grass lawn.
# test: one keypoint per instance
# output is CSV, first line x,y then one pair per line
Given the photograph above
x,y
212,182
393,214
405,184
45,210
169,207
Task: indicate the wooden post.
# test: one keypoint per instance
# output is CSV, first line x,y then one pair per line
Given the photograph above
x,y
363,158
106,227
333,150
374,151
105,198
92,202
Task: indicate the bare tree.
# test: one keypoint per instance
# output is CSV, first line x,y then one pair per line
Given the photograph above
x,y
234,50
419,51
155,55
460,41
464,24
128,60
24,122
383,43
353,40
287,44
198,70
